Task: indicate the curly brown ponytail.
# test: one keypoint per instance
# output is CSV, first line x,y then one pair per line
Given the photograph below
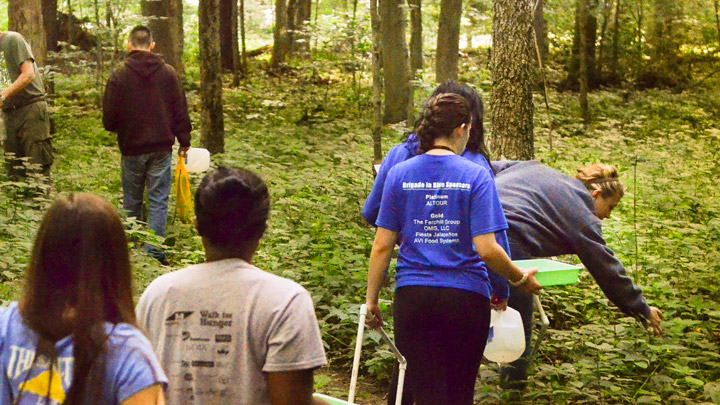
x,y
601,177
442,115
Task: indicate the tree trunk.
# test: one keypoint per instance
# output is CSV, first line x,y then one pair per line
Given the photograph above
x,y
50,22
416,42
243,48
228,33
510,64
377,83
165,23
212,133
290,20
614,63
448,40
591,35
395,60
26,17
717,20
302,18
583,58
280,47
540,26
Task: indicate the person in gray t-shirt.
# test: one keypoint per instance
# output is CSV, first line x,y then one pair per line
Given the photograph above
x,y
225,331
22,100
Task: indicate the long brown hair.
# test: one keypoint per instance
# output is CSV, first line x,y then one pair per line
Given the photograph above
x,y
78,278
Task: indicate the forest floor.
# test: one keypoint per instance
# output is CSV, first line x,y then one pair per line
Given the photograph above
x,y
308,136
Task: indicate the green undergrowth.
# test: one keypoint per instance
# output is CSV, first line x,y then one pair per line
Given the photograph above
x,y
308,136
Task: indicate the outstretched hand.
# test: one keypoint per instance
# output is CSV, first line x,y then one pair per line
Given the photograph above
x,y
654,321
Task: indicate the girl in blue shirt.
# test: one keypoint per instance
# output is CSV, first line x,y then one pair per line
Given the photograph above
x,y
444,211
475,151
72,338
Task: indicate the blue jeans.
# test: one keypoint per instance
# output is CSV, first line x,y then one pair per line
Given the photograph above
x,y
154,171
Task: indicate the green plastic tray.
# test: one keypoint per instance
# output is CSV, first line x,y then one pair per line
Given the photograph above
x,y
551,272
331,400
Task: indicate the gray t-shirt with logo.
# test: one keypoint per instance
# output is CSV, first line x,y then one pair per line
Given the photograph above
x,y
218,327
14,51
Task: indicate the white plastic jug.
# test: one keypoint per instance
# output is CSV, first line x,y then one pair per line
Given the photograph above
x,y
197,160
506,340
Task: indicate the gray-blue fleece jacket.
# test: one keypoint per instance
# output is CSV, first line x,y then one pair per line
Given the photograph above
x,y
552,214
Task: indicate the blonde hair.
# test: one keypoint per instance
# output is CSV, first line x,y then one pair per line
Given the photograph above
x,y
601,177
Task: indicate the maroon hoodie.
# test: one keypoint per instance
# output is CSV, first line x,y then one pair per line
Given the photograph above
x,y
145,105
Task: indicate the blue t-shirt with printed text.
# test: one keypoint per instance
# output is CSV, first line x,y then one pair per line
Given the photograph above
x,y
131,364
437,204
406,150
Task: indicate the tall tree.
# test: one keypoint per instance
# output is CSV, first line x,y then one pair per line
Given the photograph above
x,y
590,31
416,42
280,45
540,27
228,33
448,41
212,131
166,23
583,58
395,60
302,18
50,22
377,83
26,17
512,104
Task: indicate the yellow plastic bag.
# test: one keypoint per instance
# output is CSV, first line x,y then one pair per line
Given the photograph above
x,y
183,196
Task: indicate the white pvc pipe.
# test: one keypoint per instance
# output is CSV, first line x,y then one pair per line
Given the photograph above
x,y
358,349
545,323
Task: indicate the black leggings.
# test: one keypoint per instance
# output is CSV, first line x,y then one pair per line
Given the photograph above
x,y
442,333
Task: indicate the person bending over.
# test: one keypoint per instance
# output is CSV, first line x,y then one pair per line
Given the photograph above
x,y
226,331
72,339
551,214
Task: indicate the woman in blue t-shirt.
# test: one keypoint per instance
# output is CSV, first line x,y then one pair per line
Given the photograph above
x,y
72,337
444,211
475,151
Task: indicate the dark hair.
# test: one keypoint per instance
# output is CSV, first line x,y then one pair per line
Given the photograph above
x,y
443,113
232,207
78,278
476,143
141,37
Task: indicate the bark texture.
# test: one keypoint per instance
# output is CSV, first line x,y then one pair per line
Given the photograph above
x,y
377,83
26,17
212,133
165,21
448,42
540,26
280,45
512,104
589,28
50,22
395,60
583,72
228,33
416,42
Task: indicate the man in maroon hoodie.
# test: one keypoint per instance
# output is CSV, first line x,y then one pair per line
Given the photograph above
x,y
145,104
